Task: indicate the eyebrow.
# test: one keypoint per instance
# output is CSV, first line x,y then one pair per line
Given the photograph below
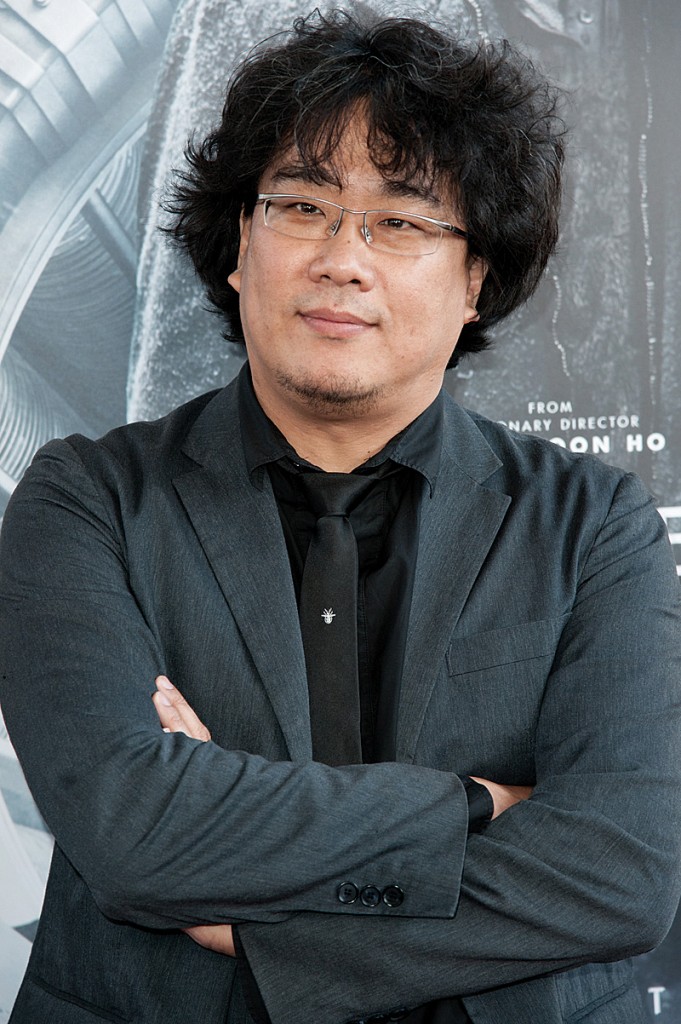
x,y
290,172
412,190
392,187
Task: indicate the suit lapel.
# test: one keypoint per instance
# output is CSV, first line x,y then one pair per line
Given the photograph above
x,y
457,528
239,529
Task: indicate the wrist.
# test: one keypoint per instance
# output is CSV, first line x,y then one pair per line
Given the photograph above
x,y
480,804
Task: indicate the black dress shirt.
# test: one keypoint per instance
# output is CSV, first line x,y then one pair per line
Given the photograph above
x,y
386,526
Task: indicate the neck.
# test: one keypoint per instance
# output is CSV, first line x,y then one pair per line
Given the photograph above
x,y
336,448
336,442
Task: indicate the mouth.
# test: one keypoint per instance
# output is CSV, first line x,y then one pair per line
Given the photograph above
x,y
336,323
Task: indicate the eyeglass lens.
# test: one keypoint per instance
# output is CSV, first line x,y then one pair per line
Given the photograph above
x,y
388,230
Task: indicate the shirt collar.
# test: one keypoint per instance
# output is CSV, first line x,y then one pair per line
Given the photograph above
x,y
417,447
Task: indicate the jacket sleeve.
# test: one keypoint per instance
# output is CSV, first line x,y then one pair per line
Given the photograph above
x,y
167,831
588,868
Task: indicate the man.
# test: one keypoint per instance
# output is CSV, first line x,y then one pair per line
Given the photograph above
x,y
488,618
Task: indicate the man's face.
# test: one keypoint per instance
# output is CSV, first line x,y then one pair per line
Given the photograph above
x,y
337,329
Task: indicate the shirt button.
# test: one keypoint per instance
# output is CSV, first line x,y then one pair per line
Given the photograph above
x,y
347,892
370,896
393,896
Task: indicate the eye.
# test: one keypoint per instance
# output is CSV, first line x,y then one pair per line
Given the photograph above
x,y
401,224
305,209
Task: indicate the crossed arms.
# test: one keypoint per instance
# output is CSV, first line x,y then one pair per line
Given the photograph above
x,y
176,716
525,903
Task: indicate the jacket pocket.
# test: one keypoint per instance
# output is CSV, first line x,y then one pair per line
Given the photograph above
x,y
599,994
523,642
483,712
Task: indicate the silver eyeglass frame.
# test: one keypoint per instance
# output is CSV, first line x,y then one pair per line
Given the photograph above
x,y
263,198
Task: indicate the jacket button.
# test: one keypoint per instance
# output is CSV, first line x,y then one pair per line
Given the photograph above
x,y
370,896
393,896
347,892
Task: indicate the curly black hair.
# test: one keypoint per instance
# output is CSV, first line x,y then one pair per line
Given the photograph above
x,y
477,119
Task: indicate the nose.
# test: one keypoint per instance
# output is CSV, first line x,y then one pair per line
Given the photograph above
x,y
344,257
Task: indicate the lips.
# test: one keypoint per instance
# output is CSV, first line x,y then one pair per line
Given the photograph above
x,y
335,323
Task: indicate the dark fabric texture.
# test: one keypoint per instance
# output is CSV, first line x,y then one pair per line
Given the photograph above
x,y
328,617
386,526
381,499
544,593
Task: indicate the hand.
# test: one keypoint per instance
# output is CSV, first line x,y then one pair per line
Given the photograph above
x,y
216,937
176,715
504,796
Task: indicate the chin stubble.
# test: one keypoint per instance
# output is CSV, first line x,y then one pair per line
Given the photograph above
x,y
347,395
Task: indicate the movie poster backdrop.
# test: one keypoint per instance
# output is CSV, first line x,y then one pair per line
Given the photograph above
x,y
101,322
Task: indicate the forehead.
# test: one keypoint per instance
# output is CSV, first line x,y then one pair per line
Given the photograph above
x,y
352,167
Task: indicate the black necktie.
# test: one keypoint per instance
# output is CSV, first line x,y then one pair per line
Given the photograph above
x,y
328,616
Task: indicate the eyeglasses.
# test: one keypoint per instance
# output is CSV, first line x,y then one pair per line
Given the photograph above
x,y
404,234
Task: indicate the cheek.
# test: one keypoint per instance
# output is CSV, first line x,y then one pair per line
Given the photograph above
x,y
268,271
432,317
434,303
258,282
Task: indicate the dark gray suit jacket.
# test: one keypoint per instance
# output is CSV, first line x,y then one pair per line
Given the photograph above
x,y
543,649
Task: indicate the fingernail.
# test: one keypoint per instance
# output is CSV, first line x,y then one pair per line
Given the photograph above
x,y
164,700
165,682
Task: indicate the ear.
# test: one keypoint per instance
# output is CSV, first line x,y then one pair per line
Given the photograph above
x,y
245,233
477,271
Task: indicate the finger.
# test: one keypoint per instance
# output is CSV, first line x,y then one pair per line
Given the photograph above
x,y
168,716
175,713
217,937
179,717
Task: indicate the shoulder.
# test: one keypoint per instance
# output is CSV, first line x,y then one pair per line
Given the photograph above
x,y
148,443
133,465
570,513
526,461
147,447
553,491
